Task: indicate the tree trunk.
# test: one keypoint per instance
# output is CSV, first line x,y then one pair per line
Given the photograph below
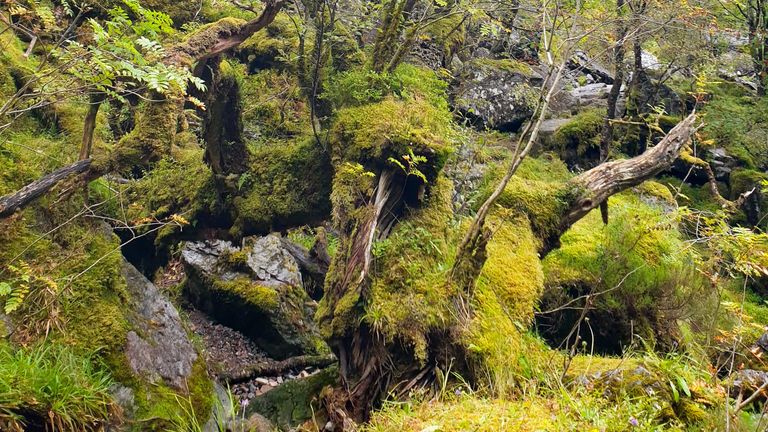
x,y
606,137
89,124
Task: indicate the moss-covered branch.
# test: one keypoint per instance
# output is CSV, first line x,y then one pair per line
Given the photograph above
x,y
588,190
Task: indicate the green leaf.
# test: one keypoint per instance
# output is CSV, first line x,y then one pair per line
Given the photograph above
x,y
5,289
683,386
675,393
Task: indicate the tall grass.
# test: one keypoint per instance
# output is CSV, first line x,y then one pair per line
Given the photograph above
x,y
49,387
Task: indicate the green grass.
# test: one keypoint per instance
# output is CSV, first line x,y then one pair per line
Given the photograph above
x,y
52,384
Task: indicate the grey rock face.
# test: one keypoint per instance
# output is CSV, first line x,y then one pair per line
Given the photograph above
x,y
748,381
158,348
257,290
494,96
271,262
722,163
6,325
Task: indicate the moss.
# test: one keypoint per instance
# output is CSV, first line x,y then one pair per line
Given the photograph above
x,y
735,120
506,65
152,138
295,401
273,45
640,250
580,136
537,191
743,180
288,184
178,12
254,294
409,294
273,106
507,292
370,134
450,32
179,186
656,190
160,408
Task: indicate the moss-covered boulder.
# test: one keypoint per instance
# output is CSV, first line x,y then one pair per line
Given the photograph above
x,y
497,94
577,142
638,261
296,401
257,290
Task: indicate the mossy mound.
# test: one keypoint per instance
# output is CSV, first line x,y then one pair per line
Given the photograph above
x,y
643,255
536,191
273,106
734,119
288,184
272,46
507,293
578,141
371,134
409,294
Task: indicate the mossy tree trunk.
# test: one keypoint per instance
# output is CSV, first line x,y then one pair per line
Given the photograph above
x,y
225,149
89,124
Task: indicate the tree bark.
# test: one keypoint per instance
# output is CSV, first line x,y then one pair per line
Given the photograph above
x,y
606,137
89,124
592,187
11,203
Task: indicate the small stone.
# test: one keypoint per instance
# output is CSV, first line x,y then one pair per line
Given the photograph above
x,y
279,380
273,383
262,381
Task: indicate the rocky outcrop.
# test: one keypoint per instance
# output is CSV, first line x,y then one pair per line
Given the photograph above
x,y
496,94
256,289
158,347
586,65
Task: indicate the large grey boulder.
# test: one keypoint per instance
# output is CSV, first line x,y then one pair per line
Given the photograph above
x,y
496,94
158,348
256,289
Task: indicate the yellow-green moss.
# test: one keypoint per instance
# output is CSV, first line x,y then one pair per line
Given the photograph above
x,y
507,65
279,38
372,133
656,190
642,252
273,105
288,184
537,191
410,293
581,134
254,294
507,292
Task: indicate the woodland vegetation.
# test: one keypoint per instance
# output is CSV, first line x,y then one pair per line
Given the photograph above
x,y
383,215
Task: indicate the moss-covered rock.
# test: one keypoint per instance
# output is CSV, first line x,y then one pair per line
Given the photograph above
x,y
578,141
257,290
288,184
642,252
296,401
497,94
